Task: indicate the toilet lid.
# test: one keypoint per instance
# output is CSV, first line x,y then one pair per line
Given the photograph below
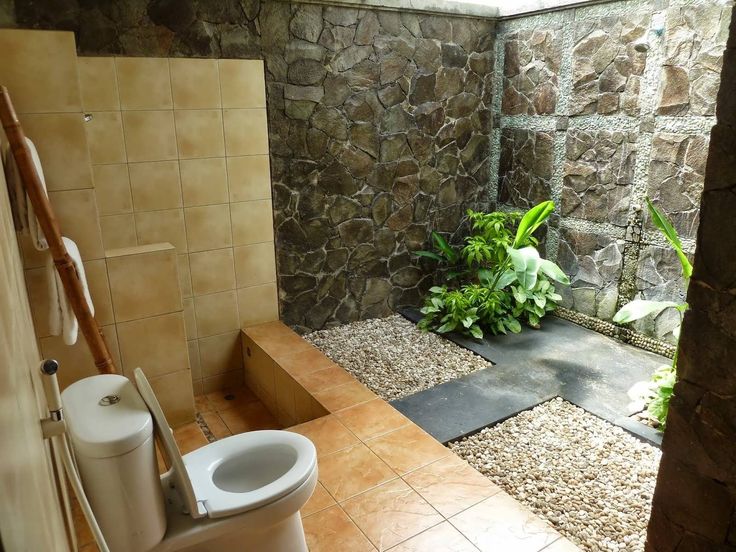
x,y
170,449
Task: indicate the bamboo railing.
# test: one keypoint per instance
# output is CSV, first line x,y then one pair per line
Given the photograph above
x,y
51,230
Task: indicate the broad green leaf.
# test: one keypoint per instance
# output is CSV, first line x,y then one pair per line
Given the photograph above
x,y
436,289
639,308
447,327
429,255
513,325
443,246
532,220
669,232
526,264
476,332
506,278
540,301
485,276
519,294
676,331
553,271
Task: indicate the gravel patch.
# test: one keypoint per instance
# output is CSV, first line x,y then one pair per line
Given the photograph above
x,y
393,358
590,479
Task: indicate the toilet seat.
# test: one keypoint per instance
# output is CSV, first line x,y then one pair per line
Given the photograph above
x,y
236,474
249,470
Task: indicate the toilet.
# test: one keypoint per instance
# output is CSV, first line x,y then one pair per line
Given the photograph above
x,y
241,493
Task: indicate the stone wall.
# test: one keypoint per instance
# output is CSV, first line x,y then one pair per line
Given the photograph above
x,y
379,127
590,121
694,505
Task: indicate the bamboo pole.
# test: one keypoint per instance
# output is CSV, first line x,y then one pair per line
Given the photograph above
x,y
51,230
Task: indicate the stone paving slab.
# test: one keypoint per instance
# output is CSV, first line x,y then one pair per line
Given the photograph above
x,y
562,359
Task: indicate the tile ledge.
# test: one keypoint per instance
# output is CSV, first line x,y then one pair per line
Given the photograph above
x,y
138,250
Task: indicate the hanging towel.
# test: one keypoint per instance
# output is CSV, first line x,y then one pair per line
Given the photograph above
x,y
61,315
23,216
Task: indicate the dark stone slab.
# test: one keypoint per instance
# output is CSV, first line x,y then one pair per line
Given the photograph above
x,y
562,359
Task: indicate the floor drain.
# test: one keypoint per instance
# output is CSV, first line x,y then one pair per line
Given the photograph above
x,y
229,397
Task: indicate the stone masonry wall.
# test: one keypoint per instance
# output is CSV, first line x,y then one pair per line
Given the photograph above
x,y
379,127
589,120
694,506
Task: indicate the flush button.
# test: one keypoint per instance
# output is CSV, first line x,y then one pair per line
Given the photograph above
x,y
109,400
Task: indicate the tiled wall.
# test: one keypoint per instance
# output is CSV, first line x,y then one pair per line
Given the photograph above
x,y
179,152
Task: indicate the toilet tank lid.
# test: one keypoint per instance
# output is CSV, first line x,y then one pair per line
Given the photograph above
x,y
106,416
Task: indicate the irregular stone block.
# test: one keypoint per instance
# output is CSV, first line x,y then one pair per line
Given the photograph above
x,y
694,42
530,72
598,174
676,176
606,68
525,167
593,262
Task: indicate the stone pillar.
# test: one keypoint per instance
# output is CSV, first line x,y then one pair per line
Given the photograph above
x,y
694,505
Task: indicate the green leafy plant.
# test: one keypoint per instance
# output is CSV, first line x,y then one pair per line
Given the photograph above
x,y
655,394
496,280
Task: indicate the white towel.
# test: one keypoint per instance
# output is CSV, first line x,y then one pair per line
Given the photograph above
x,y
23,216
61,315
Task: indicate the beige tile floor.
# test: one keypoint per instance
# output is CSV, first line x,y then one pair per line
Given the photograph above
x,y
384,484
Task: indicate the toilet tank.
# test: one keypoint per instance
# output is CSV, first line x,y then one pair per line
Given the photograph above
x,y
111,431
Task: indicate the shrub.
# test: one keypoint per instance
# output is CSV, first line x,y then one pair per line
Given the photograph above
x,y
496,280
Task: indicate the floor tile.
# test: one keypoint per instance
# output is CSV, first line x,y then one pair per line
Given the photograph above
x,y
344,396
351,471
451,485
440,537
391,513
305,361
326,378
501,523
218,428
327,434
249,417
202,404
331,530
189,437
407,449
372,419
230,398
319,500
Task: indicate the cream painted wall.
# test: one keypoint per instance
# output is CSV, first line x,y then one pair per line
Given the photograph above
x,y
30,517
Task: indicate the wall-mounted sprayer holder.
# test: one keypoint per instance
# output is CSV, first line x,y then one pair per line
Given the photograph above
x,y
54,429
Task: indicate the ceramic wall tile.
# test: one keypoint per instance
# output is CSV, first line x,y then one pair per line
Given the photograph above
x,y
208,227
76,211
162,227
252,222
62,146
220,354
105,137
155,186
40,70
242,83
216,313
98,83
112,189
258,304
204,181
249,177
199,133
195,83
176,395
144,83
149,135
144,285
212,271
246,131
158,344
255,264
118,231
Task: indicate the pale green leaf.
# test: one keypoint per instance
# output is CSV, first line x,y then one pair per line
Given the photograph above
x,y
639,308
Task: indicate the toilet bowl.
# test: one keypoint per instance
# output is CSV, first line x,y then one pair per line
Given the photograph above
x,y
240,493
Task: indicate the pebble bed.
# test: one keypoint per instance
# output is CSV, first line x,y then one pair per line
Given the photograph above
x,y
591,480
393,358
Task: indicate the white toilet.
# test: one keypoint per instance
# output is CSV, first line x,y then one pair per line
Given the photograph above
x,y
242,493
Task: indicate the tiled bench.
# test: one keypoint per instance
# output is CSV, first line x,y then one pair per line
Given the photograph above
x,y
384,483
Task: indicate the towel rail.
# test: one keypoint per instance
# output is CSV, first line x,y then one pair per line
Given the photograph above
x,y
51,230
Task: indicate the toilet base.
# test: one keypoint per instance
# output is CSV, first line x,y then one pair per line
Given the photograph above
x,y
287,536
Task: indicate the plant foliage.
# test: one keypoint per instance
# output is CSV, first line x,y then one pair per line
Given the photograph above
x,y
496,280
655,394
